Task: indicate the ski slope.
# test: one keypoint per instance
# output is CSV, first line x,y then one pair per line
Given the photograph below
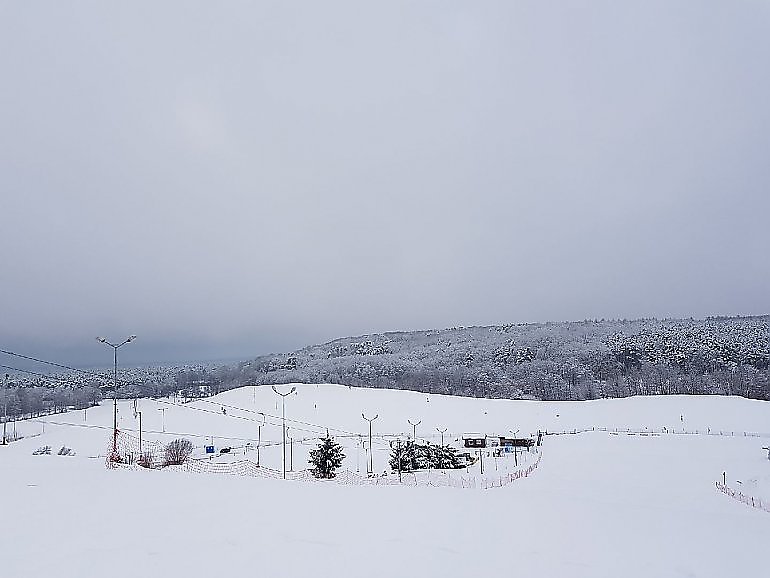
x,y
599,504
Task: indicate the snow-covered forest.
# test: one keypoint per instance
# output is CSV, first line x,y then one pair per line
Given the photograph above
x,y
550,361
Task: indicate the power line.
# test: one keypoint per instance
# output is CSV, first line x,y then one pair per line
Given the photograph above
x,y
184,406
321,427
167,433
53,363
33,373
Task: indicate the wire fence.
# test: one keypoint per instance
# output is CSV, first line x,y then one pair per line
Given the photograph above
x,y
757,503
131,453
661,431
436,478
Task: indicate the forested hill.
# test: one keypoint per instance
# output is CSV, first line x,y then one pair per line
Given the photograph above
x,y
550,361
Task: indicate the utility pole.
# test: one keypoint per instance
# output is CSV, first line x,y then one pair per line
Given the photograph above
x,y
414,429
481,458
5,407
259,435
442,432
115,347
358,454
291,453
515,448
398,456
163,418
283,421
370,469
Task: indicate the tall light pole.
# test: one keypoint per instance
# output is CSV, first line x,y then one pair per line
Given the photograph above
x,y
283,421
371,459
414,429
115,347
163,418
515,449
442,432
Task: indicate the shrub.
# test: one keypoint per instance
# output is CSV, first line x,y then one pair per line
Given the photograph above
x,y
178,452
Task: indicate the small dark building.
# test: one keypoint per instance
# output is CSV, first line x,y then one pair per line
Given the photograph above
x,y
475,441
516,442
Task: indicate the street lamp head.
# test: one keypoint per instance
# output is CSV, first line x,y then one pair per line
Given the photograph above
x,y
101,339
130,338
293,389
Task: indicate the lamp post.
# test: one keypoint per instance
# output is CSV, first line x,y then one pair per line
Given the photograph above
x,y
371,458
515,449
115,348
163,418
283,422
442,432
414,429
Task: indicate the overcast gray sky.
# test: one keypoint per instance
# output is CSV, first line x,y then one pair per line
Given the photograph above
x,y
230,179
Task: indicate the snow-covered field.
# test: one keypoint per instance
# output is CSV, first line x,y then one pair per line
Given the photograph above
x,y
599,504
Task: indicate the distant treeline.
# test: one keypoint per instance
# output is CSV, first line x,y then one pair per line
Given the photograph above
x,y
548,361
551,361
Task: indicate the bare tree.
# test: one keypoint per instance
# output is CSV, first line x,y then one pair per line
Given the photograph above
x,y
178,452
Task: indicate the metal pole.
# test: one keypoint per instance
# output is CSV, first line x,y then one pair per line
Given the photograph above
x,y
358,454
283,432
115,347
259,435
115,405
291,453
370,468
139,413
283,423
5,410
442,432
414,429
399,461
163,418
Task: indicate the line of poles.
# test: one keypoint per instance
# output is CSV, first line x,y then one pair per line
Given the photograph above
x,y
282,395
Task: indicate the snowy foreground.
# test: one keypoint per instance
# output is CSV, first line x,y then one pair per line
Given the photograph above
x,y
599,504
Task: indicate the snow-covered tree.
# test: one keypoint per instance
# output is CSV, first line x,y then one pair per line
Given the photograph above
x,y
326,458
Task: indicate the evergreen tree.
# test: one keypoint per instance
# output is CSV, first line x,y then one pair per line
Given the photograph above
x,y
405,453
421,457
326,458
